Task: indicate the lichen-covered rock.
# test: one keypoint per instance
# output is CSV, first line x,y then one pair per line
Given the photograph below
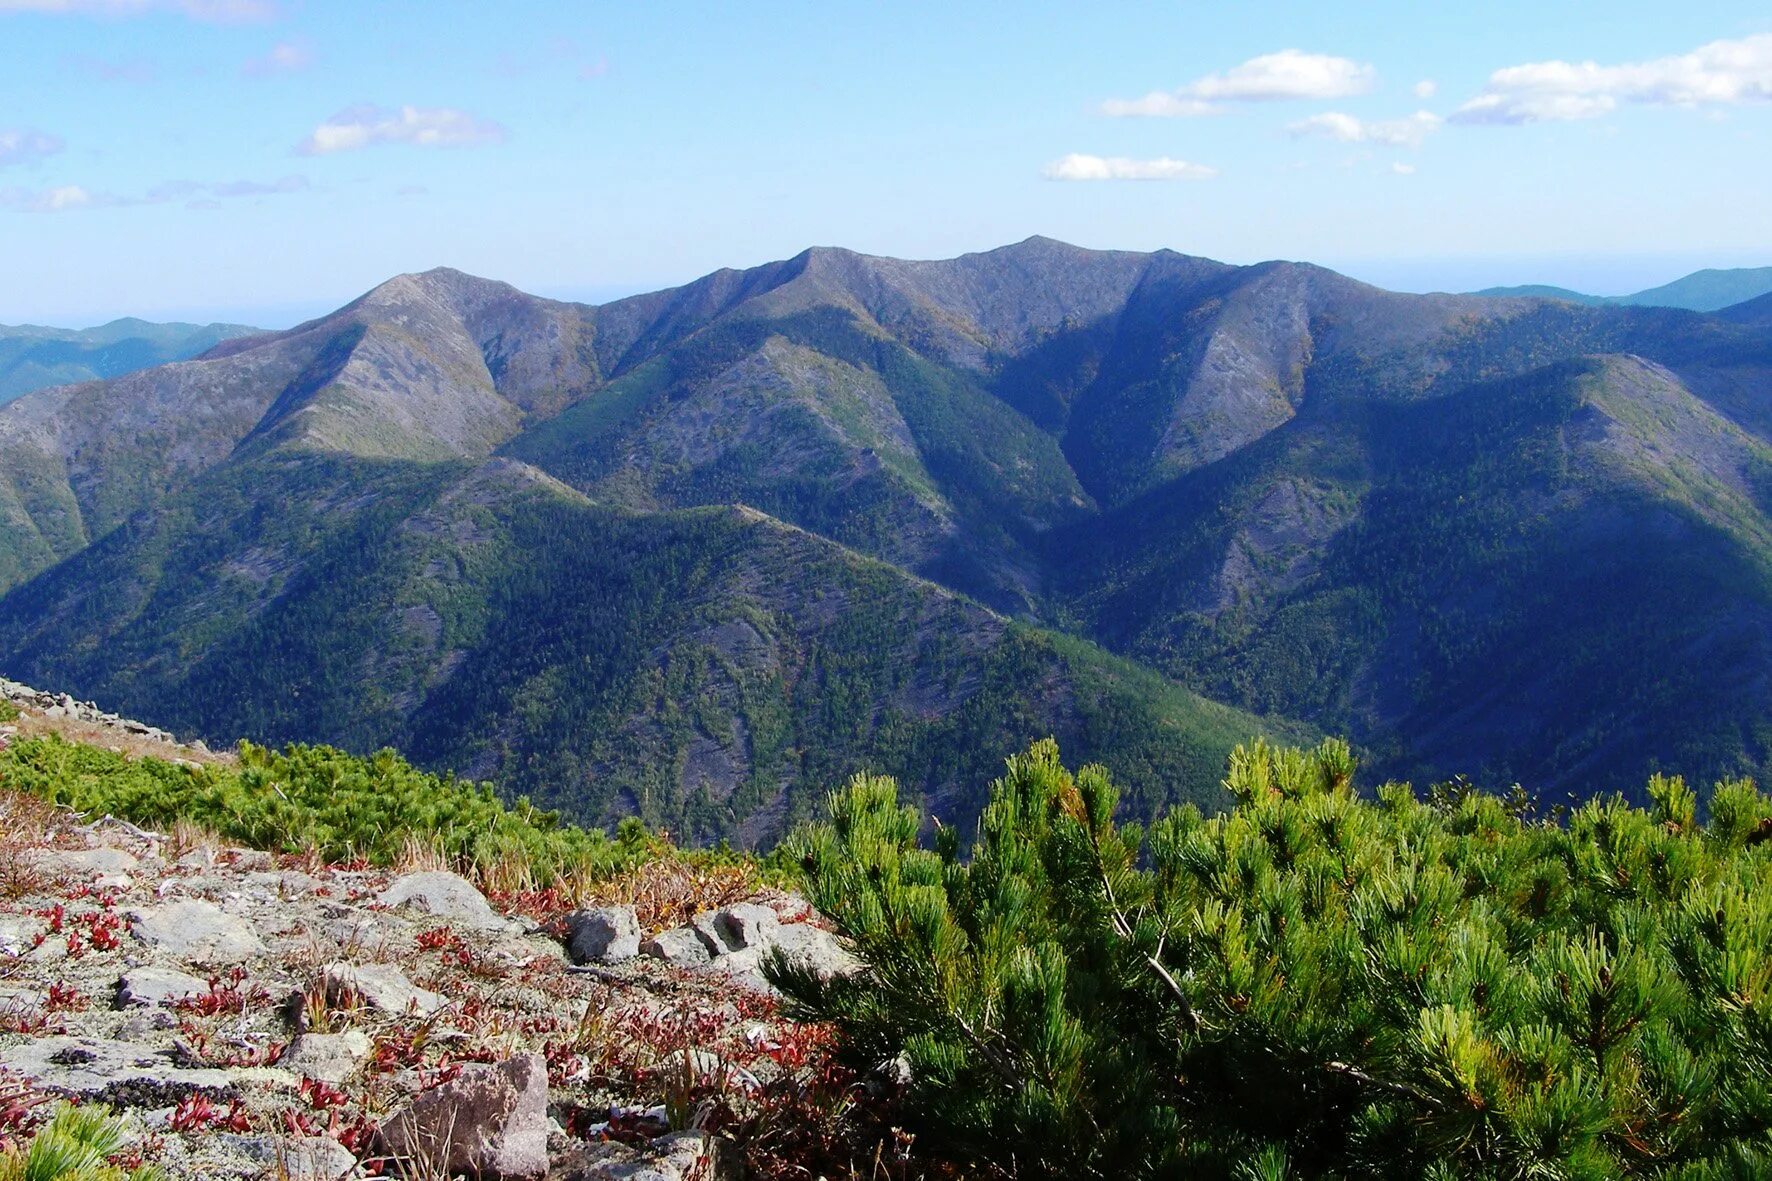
x,y
447,896
490,1122
331,1057
602,935
196,931
83,863
98,1068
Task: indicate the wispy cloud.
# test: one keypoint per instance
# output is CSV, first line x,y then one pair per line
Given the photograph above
x,y
1720,73
27,147
428,127
219,12
137,71
1347,129
193,193
1077,166
1288,74
285,57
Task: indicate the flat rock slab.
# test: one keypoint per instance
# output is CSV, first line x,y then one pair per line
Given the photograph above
x,y
118,1072
197,931
87,863
682,1156
157,986
380,986
447,896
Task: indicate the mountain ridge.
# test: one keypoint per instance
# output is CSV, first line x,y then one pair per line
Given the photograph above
x,y
1241,479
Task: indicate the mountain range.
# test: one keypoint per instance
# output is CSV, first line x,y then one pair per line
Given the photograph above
x,y
698,554
1701,291
33,357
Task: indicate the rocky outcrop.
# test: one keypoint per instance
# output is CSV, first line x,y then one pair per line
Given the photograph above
x,y
252,1016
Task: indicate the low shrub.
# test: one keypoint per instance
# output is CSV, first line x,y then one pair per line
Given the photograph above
x,y
1312,985
324,802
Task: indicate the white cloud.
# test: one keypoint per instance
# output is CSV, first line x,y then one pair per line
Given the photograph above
x,y
194,193
220,12
55,200
1077,166
1288,74
1426,88
1402,169
285,57
1347,129
1160,104
429,127
25,147
1720,73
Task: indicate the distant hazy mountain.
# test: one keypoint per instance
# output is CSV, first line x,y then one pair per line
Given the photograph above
x,y
700,553
1701,291
32,357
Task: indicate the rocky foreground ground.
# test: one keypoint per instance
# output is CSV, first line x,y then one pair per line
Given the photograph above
x,y
252,1015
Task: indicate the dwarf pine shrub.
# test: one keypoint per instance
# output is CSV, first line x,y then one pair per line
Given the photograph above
x,y
322,800
1313,985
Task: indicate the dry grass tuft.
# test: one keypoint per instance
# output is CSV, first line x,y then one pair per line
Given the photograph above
x,y
187,836
421,854
668,891
25,824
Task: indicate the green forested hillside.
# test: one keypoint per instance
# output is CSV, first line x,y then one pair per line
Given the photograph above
x,y
693,554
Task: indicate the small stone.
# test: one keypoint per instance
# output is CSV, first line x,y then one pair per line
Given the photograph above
x,y
194,930
603,935
19,932
332,1057
314,1158
157,987
380,986
447,896
491,1122
680,946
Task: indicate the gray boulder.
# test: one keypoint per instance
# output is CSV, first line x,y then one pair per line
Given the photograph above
x,y
490,1122
680,946
814,948
602,935
746,924
447,896
194,930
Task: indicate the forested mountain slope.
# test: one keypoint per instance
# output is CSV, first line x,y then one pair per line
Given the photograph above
x,y
697,552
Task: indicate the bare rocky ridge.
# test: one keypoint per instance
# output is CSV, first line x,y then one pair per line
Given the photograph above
x,y
247,1012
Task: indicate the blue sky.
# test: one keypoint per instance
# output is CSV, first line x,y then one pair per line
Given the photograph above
x,y
265,160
